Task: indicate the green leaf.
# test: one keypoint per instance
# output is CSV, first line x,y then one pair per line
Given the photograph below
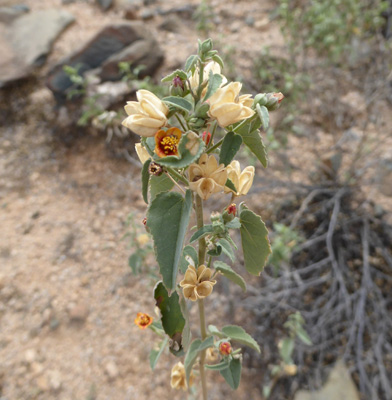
x,y
180,73
149,144
262,111
286,348
202,232
229,183
234,224
254,239
186,333
232,374
185,157
155,354
303,336
215,331
191,62
194,349
173,321
231,144
214,82
159,184
168,218
218,367
237,334
226,247
178,102
188,251
145,180
217,59
252,139
229,273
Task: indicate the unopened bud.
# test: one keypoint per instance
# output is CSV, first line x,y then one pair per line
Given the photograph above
x,y
155,169
177,87
261,99
177,82
225,348
232,209
274,100
202,110
206,137
215,216
144,221
206,46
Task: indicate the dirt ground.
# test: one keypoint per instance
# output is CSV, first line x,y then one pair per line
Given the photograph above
x,y
67,297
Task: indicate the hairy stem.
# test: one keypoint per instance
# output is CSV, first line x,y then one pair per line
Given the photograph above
x,y
203,330
200,224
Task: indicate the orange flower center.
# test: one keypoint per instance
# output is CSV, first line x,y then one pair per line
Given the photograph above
x,y
144,320
169,144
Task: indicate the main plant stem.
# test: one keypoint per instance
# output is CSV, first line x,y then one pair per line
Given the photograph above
x,y
203,330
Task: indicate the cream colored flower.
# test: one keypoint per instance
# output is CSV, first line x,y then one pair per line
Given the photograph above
x,y
178,377
142,153
193,143
197,284
147,115
212,354
207,177
211,66
241,180
228,107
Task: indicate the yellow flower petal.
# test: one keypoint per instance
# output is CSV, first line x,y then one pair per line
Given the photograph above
x,y
204,289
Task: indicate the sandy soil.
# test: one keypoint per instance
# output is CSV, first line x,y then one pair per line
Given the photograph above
x,y
67,297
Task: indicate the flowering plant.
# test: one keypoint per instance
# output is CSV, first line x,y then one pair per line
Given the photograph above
x,y
188,144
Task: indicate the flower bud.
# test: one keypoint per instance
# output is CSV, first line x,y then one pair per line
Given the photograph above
x,y
261,99
202,110
215,216
274,100
225,348
206,46
155,169
177,87
198,123
206,137
177,82
144,221
232,209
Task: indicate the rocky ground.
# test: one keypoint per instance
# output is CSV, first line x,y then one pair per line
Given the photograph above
x,y
67,296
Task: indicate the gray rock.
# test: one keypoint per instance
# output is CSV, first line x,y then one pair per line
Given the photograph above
x,y
185,11
9,14
249,20
129,3
148,14
142,52
32,35
27,41
126,41
172,23
105,4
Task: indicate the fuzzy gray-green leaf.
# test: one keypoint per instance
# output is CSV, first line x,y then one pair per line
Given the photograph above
x,y
229,273
231,144
232,374
237,334
168,218
255,243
